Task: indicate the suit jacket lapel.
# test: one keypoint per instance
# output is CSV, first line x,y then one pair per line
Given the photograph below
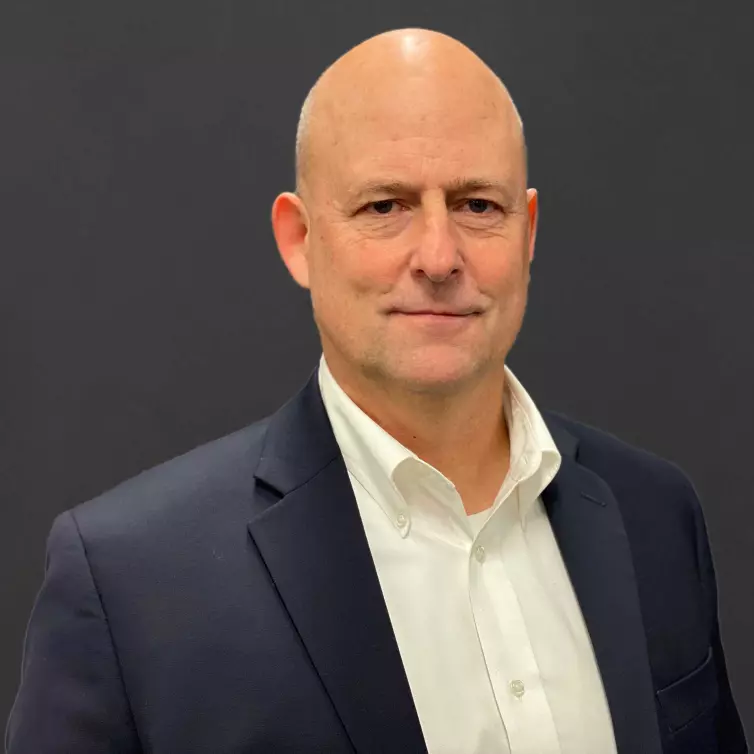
x,y
313,543
588,527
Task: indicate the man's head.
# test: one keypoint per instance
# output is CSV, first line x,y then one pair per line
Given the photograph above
x,y
411,196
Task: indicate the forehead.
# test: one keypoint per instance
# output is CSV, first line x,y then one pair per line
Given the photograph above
x,y
421,131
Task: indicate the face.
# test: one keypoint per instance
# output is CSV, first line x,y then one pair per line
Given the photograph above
x,y
419,205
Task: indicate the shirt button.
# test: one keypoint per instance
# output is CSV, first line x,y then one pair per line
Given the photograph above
x,y
480,554
517,688
401,520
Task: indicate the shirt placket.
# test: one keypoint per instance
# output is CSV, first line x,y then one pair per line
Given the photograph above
x,y
504,639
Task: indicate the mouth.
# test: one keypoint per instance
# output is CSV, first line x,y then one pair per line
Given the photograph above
x,y
437,321
444,315
435,315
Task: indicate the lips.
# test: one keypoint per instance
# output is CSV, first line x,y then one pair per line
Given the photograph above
x,y
438,313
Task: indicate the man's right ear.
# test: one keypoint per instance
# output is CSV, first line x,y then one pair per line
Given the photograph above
x,y
290,225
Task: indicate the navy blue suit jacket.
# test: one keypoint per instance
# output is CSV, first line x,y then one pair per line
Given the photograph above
x,y
226,602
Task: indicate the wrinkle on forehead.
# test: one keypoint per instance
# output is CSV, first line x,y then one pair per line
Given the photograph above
x,y
398,85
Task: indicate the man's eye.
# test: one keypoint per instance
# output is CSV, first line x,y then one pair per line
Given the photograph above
x,y
480,206
383,206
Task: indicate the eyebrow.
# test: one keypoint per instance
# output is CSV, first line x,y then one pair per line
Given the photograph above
x,y
456,188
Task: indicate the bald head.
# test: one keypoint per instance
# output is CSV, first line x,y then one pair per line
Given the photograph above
x,y
392,73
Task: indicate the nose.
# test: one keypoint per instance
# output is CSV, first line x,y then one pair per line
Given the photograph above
x,y
437,254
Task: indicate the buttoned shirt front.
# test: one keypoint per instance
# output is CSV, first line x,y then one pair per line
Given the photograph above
x,y
496,652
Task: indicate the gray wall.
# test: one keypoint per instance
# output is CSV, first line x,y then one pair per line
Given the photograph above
x,y
144,309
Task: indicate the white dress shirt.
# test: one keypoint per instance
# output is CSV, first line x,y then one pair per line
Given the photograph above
x,y
494,645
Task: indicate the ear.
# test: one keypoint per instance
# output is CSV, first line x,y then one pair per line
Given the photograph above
x,y
290,225
532,201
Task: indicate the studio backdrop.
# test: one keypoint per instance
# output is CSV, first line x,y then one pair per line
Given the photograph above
x,y
141,147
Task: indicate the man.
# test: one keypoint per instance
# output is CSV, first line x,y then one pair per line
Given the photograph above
x,y
407,556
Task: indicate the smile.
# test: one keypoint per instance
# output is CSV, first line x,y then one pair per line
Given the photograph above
x,y
446,321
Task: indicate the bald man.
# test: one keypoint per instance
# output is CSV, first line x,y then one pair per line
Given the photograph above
x,y
408,556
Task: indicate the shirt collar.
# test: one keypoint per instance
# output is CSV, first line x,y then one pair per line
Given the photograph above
x,y
378,461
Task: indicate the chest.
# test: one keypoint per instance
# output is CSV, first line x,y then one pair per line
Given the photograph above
x,y
489,629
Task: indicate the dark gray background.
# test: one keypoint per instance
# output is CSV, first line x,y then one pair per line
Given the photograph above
x,y
144,308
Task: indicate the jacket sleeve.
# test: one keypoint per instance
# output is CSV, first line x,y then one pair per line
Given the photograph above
x,y
71,696
730,732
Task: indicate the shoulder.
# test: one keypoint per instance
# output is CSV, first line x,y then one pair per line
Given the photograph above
x,y
659,504
615,459
182,491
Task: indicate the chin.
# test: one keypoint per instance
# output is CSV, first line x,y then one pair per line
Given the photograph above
x,y
433,374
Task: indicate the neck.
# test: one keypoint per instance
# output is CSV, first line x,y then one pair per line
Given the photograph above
x,y
464,435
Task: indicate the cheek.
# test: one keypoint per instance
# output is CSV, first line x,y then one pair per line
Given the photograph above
x,y
347,280
507,270
358,266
